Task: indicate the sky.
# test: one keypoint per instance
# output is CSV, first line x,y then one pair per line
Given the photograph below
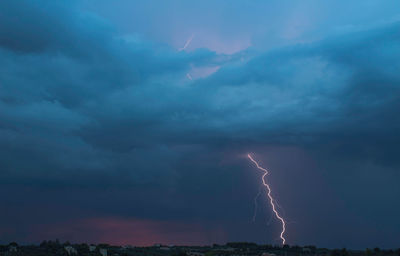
x,y
128,122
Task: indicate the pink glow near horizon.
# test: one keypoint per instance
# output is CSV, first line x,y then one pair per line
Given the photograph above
x,y
130,231
271,199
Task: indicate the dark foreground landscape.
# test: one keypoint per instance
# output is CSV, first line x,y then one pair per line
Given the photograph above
x,y
249,249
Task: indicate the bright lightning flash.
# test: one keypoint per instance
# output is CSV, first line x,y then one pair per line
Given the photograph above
x,y
271,199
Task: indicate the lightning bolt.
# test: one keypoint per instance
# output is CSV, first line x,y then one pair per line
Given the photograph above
x,y
271,199
187,43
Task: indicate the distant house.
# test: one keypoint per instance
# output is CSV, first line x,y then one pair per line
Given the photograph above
x,y
12,248
92,248
103,252
71,250
267,254
226,249
192,253
165,248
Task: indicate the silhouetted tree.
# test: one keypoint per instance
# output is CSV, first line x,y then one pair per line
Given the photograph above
x,y
82,248
344,252
103,245
241,244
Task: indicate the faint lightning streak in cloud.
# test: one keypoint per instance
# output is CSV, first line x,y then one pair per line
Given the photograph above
x,y
187,43
270,218
271,199
256,204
